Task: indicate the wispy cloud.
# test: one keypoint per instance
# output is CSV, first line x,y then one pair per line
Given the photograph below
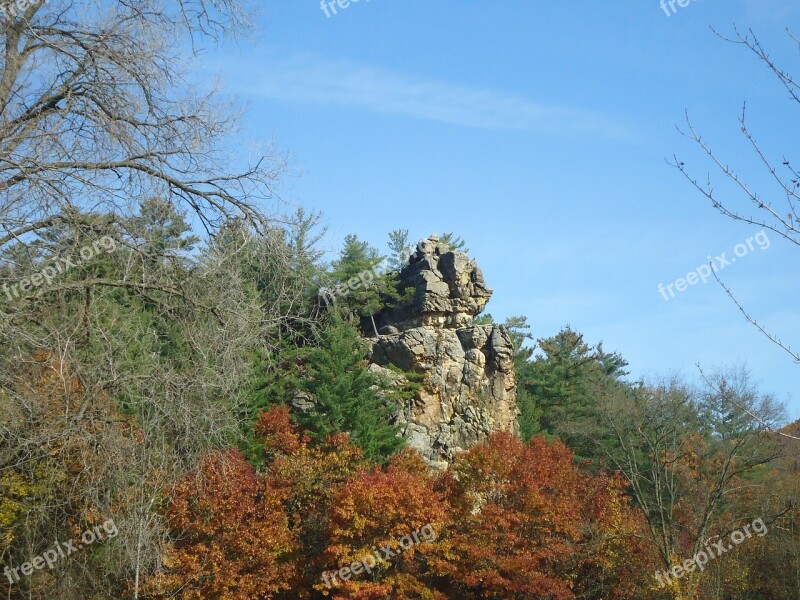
x,y
308,79
775,11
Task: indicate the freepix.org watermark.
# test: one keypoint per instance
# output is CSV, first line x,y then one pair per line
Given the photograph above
x,y
384,556
362,280
704,272
60,550
329,6
50,273
711,551
10,9
667,5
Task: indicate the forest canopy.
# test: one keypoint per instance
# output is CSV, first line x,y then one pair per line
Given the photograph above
x,y
187,404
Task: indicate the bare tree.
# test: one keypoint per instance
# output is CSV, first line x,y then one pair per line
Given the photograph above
x,y
146,349
684,454
96,114
775,210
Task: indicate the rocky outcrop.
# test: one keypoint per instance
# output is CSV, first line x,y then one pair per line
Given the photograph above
x,y
468,388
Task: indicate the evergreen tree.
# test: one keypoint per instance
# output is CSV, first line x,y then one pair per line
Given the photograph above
x,y
400,249
303,236
455,242
346,394
562,385
276,373
360,288
530,414
519,329
160,231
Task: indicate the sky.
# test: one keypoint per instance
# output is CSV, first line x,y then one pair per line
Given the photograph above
x,y
540,132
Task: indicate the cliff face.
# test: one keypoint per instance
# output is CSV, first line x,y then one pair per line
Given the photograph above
x,y
469,386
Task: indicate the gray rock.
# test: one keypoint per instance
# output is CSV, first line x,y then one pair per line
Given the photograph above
x,y
303,402
469,388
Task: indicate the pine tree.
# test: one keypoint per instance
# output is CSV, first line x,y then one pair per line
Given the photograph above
x,y
161,231
347,395
400,249
360,288
564,384
304,235
455,242
530,413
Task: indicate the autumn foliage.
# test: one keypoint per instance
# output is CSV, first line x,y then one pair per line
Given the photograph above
x,y
235,540
511,521
525,520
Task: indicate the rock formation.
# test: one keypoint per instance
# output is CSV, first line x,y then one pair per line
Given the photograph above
x,y
469,386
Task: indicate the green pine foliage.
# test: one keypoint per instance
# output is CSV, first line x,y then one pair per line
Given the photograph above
x,y
563,385
530,415
160,231
348,397
359,288
399,249
454,241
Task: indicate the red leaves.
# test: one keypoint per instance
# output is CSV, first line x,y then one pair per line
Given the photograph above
x,y
234,539
393,514
519,519
507,521
527,520
279,433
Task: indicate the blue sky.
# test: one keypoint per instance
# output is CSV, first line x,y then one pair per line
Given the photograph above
x,y
538,132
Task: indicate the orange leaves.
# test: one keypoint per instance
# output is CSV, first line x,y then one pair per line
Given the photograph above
x,y
234,539
508,520
394,515
519,518
380,505
280,435
526,519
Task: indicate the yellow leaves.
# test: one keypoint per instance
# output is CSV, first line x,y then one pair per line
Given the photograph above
x,y
14,491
